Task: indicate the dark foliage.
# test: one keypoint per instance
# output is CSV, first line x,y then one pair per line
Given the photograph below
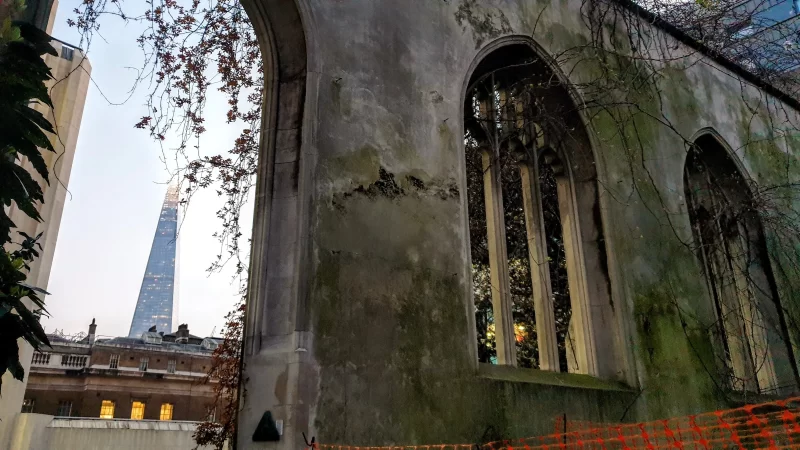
x,y
23,74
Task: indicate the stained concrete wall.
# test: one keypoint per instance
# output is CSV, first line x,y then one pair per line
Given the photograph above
x,y
42,432
360,327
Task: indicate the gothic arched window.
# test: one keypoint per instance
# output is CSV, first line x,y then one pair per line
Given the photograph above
x,y
730,244
536,243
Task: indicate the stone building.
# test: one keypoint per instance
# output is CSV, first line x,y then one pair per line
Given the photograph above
x,y
157,377
475,216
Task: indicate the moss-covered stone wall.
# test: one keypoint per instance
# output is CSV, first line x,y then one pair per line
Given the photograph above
x,y
388,275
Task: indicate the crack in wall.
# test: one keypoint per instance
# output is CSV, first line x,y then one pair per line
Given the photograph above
x,y
386,186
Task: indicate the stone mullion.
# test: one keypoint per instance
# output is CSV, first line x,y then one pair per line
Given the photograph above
x,y
741,363
752,318
580,328
496,231
498,260
540,273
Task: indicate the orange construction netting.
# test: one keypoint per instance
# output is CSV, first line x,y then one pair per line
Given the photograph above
x,y
770,426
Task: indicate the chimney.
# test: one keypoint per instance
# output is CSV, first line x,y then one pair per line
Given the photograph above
x,y
182,335
92,330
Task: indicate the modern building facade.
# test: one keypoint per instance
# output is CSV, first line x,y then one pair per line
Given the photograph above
x,y
156,305
767,40
157,376
71,72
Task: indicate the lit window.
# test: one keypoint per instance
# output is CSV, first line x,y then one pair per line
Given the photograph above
x,y
114,362
27,405
64,408
143,364
107,409
166,411
171,366
137,411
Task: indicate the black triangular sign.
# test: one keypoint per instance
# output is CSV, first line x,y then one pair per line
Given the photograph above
x,y
266,431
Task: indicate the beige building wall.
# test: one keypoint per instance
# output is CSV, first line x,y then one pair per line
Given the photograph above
x,y
68,92
42,432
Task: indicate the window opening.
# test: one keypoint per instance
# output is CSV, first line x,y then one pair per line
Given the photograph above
x,y
166,411
731,247
113,363
27,405
556,259
143,362
64,408
518,260
528,268
107,409
479,249
137,411
67,53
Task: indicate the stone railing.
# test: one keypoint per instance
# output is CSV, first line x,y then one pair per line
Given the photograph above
x,y
74,360
40,359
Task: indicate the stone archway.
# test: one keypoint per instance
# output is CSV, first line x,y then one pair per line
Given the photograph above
x,y
276,319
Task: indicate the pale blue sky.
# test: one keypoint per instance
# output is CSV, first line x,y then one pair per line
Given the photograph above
x,y
116,194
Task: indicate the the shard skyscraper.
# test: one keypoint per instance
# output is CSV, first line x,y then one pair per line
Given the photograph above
x,y
156,304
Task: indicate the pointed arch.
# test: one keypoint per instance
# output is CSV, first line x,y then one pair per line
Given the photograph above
x,y
276,318
755,353
530,106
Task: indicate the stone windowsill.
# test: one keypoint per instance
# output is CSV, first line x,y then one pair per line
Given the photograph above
x,y
569,380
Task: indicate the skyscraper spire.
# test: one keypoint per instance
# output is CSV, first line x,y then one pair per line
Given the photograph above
x,y
157,294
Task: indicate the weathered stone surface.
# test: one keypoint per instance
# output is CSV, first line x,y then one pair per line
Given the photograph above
x,y
360,326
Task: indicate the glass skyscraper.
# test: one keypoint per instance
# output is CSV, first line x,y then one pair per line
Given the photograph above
x,y
157,294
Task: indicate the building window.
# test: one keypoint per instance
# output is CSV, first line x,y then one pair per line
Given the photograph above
x,y
27,405
536,239
64,408
143,364
137,411
166,411
212,414
171,366
113,363
67,53
731,247
107,409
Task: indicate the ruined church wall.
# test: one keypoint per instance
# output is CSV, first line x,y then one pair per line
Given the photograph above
x,y
388,289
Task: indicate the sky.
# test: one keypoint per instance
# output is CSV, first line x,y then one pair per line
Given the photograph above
x,y
116,190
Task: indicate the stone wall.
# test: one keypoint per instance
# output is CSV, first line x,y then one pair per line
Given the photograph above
x,y
42,432
360,327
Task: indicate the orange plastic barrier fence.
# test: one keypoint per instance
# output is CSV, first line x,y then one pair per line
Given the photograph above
x,y
772,426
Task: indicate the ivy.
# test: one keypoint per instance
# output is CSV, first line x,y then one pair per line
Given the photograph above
x,y
23,74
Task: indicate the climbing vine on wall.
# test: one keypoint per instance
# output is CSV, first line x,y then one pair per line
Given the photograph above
x,y
23,74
